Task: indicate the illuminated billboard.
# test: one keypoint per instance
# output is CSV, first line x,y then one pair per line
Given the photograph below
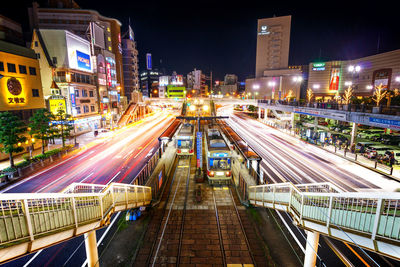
x,y
78,50
318,66
334,81
163,80
148,61
56,105
382,77
177,80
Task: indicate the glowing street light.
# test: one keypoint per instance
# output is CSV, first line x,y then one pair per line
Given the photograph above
x,y
369,87
271,83
297,78
348,83
316,86
256,86
354,69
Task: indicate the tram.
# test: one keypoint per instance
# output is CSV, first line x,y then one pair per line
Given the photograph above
x,y
219,167
185,140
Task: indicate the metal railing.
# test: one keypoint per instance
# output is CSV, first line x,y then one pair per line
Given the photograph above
x,y
42,219
365,108
373,219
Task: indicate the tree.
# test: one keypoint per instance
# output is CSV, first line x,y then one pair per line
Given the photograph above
x,y
41,126
64,125
290,95
310,95
337,96
379,94
11,135
348,94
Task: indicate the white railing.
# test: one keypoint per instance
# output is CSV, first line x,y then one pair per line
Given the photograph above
x,y
369,217
31,218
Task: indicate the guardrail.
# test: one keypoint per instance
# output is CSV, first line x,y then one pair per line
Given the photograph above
x,y
371,220
365,108
29,222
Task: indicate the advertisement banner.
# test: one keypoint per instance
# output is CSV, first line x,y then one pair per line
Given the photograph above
x,y
148,61
57,104
199,149
83,60
334,81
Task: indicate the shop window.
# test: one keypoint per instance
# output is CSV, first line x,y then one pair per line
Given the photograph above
x,y
85,109
91,94
1,66
78,110
35,93
32,71
92,109
22,69
11,67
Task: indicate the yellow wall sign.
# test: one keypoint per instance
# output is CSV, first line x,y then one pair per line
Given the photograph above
x,y
56,104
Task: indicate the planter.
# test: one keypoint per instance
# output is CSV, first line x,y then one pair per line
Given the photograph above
x,y
376,110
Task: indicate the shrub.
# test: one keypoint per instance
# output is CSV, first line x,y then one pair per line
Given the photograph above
x,y
9,169
26,157
23,164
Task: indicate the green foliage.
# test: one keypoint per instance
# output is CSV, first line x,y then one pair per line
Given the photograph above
x,y
9,169
65,125
252,108
11,130
41,126
23,164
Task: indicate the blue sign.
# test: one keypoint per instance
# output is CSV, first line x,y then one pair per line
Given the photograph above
x,y
83,60
119,98
389,123
220,155
199,151
148,61
73,100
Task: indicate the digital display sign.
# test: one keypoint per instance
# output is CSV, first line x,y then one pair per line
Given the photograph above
x,y
318,66
83,60
148,61
334,81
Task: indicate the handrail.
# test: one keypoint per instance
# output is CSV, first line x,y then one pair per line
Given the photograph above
x,y
32,221
371,218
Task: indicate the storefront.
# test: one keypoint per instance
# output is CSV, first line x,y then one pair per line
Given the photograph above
x,y
87,124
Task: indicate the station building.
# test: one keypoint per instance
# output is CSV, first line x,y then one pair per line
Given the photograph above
x,y
363,74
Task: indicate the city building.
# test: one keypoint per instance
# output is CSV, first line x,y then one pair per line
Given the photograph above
x,y
167,83
103,32
274,79
326,79
149,82
20,81
10,31
198,83
67,76
130,63
273,40
229,86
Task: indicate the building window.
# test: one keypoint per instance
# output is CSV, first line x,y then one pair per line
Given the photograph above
x,y
36,44
91,94
84,93
109,38
78,110
109,48
35,93
92,109
32,71
108,29
76,93
11,67
85,109
38,55
1,66
22,69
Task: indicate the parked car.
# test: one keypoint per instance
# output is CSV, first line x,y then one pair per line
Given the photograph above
x,y
390,139
370,133
385,158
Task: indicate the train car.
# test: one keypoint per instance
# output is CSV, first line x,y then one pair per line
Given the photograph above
x,y
219,167
185,140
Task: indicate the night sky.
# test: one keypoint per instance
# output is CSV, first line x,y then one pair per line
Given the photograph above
x,y
221,35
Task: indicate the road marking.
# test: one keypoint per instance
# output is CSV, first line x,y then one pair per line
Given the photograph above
x,y
87,177
29,262
104,235
51,183
113,177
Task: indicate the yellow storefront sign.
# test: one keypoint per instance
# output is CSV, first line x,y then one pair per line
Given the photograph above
x,y
56,104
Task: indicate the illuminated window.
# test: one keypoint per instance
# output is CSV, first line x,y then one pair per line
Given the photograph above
x,y
35,93
109,38
92,109
108,29
78,110
85,109
91,94
109,48
11,67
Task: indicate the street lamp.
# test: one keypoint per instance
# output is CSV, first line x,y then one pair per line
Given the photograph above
x,y
348,83
316,86
256,86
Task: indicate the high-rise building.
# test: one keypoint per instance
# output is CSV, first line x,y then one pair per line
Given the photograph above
x,y
149,82
130,63
10,31
273,40
67,15
197,83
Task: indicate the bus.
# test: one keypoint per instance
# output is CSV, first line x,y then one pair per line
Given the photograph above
x,y
219,167
185,140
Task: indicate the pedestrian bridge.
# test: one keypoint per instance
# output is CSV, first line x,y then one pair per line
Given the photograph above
x,y
30,222
370,220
